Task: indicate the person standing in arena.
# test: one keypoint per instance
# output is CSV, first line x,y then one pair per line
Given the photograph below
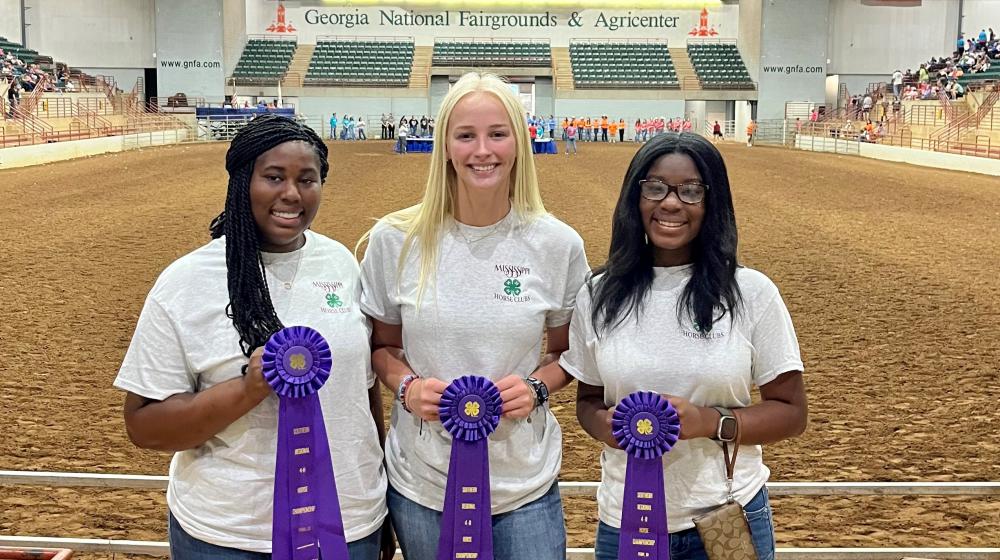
x,y
673,312
478,259
193,371
752,132
571,132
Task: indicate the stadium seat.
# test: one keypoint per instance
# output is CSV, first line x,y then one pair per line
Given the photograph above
x,y
361,63
645,65
509,53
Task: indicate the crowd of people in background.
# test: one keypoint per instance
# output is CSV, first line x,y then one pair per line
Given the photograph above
x,y
20,77
347,128
939,76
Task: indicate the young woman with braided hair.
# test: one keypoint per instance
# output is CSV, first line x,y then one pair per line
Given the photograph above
x,y
193,370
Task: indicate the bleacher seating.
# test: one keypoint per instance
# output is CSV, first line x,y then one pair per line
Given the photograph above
x,y
361,63
719,66
644,65
29,56
993,74
264,60
493,53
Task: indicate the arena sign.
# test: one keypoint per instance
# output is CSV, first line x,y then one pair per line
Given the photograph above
x,y
559,27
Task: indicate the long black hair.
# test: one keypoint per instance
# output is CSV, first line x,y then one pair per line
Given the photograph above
x,y
250,305
712,292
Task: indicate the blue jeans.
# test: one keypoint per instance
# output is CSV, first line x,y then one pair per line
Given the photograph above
x,y
571,143
185,547
687,545
534,531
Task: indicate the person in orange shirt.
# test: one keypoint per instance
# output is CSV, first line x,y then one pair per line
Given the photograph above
x,y
586,130
604,128
621,130
751,132
596,125
564,126
613,128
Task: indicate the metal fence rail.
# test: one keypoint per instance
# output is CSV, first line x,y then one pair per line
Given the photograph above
x,y
161,549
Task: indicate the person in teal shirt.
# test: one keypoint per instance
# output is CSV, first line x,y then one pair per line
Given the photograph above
x,y
333,126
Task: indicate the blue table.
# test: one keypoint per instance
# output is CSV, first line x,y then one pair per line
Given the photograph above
x,y
545,146
417,145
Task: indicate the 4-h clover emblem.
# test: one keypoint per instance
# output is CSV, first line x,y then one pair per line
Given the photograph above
x,y
472,409
512,287
297,361
333,301
644,426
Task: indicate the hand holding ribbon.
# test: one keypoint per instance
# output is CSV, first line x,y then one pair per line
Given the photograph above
x,y
424,397
470,411
296,362
517,396
646,426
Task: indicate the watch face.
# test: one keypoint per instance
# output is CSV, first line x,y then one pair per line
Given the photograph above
x,y
727,428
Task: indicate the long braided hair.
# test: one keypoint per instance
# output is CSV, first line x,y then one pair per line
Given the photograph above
x,y
250,305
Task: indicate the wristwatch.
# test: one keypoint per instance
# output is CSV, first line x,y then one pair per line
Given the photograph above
x,y
541,391
726,431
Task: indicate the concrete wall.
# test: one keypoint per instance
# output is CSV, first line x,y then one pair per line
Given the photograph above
x,y
748,40
879,39
923,158
629,109
323,107
980,14
545,96
793,55
24,156
189,48
234,32
10,20
124,77
95,33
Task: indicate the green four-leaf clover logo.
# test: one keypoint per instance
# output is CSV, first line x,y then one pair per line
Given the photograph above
x,y
333,301
512,287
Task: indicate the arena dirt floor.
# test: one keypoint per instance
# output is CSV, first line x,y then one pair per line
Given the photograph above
x,y
889,270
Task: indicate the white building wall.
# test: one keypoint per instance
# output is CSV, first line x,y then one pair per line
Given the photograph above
x,y
95,33
10,20
980,14
876,40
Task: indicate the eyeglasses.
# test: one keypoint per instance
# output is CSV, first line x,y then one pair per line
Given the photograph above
x,y
688,193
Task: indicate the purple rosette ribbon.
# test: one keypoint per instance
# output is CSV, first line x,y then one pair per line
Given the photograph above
x,y
646,426
306,519
470,411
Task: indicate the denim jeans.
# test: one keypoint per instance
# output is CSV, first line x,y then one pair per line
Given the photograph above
x,y
534,531
185,547
571,143
686,545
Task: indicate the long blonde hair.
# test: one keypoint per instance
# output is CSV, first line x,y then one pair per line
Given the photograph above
x,y
425,221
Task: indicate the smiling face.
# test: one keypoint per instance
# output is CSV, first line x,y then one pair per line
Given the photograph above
x,y
480,143
670,224
285,192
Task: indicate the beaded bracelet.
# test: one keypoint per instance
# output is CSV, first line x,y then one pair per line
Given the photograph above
x,y
401,390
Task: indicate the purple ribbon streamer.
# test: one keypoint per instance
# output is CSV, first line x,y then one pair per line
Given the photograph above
x,y
646,426
306,517
470,411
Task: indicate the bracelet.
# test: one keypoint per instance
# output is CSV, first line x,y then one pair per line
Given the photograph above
x,y
401,390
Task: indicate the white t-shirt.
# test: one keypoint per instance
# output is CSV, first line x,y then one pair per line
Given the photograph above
x,y
717,368
222,491
495,290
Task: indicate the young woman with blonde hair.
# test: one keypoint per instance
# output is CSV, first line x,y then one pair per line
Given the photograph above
x,y
467,282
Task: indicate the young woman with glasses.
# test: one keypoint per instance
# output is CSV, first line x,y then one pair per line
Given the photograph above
x,y
673,312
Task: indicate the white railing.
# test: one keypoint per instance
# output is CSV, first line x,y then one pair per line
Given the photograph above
x,y
153,548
